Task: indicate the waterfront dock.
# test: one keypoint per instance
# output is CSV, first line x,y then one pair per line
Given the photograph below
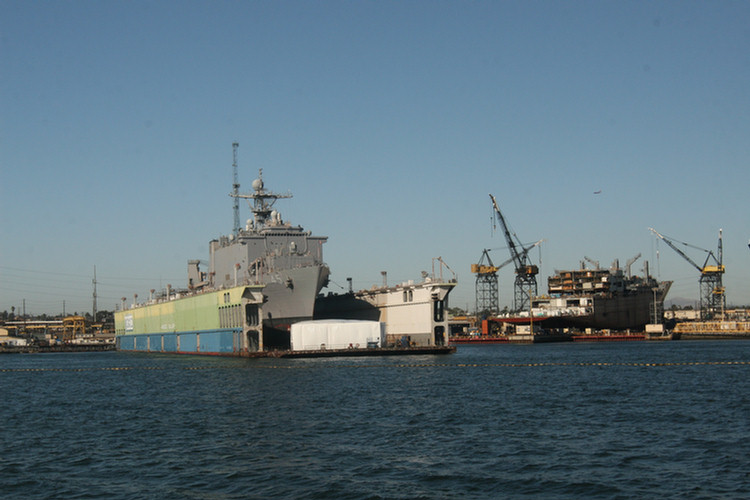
x,y
540,338
36,349
717,330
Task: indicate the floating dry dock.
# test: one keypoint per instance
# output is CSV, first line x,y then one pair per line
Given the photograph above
x,y
323,353
227,322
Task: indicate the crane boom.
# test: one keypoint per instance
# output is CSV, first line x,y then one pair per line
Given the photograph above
x,y
479,268
526,250
523,266
705,268
525,286
675,248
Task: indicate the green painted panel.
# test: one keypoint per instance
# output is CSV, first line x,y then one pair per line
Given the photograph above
x,y
193,313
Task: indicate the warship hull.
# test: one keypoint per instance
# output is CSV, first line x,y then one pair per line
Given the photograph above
x,y
290,296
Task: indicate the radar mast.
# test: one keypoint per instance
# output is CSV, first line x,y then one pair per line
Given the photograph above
x,y
262,202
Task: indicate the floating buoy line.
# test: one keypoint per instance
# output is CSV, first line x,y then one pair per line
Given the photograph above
x,y
399,365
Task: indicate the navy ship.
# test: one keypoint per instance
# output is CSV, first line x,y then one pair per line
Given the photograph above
x,y
285,259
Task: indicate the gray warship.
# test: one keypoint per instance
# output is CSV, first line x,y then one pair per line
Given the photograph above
x,y
284,258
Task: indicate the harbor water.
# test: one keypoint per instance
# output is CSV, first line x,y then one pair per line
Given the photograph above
x,y
572,420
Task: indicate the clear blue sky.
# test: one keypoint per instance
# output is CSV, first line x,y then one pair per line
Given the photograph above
x,y
390,122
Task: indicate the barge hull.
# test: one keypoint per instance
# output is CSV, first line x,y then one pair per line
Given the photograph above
x,y
199,346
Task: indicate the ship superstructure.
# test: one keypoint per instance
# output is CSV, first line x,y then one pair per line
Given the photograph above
x,y
602,299
284,258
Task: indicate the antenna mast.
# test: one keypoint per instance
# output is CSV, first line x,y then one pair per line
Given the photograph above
x,y
236,189
93,318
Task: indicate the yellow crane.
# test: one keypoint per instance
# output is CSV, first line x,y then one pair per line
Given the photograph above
x,y
486,287
73,326
712,297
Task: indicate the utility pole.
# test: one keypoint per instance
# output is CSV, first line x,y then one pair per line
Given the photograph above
x,y
93,318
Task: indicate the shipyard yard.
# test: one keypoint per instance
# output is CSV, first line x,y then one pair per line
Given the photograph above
x,y
263,296
265,281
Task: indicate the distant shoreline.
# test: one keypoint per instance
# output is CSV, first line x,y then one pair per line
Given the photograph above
x,y
34,349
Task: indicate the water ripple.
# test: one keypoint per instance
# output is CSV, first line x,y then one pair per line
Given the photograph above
x,y
555,421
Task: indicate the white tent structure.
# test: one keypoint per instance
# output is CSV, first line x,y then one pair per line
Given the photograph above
x,y
337,334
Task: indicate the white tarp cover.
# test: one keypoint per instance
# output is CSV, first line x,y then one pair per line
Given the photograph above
x,y
336,334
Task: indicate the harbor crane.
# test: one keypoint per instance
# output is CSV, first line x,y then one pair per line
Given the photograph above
x,y
487,297
712,297
525,282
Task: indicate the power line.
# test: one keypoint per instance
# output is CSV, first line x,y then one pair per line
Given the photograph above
x,y
84,276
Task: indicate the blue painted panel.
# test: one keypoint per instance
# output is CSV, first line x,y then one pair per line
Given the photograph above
x,y
141,342
211,342
226,341
126,343
170,342
154,343
217,342
188,342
